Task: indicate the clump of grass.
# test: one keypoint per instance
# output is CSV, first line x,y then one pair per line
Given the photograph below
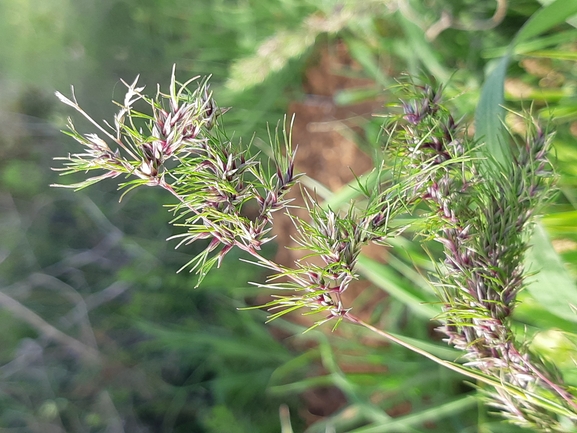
x,y
481,216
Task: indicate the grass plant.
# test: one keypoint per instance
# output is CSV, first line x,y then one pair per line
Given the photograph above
x,y
86,278
481,212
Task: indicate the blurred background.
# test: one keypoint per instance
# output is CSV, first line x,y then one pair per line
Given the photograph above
x,y
98,333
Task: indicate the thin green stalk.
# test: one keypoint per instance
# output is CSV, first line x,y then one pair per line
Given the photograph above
x,y
518,392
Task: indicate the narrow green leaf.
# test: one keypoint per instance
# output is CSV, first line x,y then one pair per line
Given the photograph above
x,y
349,192
489,114
417,419
553,54
546,18
346,418
385,278
531,312
561,223
421,48
559,113
488,126
541,95
552,287
444,352
533,45
302,385
362,53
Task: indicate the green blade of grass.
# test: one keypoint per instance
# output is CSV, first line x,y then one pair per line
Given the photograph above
x,y
443,352
561,223
385,278
421,49
531,312
552,287
489,114
554,54
362,53
533,45
350,416
351,191
417,419
546,18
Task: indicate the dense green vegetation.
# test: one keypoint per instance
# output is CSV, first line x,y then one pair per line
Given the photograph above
x,y
101,334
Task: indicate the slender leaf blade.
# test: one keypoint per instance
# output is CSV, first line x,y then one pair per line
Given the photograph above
x,y
553,287
488,126
489,114
385,278
546,18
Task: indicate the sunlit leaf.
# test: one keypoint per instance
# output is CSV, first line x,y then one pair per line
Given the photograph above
x,y
489,114
552,286
387,279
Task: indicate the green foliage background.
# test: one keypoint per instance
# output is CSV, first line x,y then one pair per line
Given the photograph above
x,y
99,271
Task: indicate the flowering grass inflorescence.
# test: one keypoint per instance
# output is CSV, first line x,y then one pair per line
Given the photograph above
x,y
480,212
182,148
